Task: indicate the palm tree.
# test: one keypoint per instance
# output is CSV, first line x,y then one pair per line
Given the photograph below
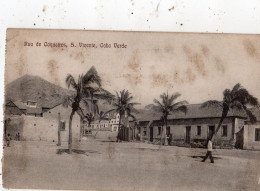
x,y
124,107
238,98
90,118
88,88
168,106
101,115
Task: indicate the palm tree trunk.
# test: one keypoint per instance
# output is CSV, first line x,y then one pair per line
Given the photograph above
x,y
161,141
70,132
165,136
119,124
219,125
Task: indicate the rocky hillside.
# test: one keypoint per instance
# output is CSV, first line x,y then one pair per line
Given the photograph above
x,y
34,88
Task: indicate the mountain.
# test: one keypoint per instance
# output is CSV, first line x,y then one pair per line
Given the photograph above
x,y
34,88
46,94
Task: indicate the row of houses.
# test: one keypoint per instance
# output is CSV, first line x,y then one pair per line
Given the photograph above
x,y
35,122
42,122
200,123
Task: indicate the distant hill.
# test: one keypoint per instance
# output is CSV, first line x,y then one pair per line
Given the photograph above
x,y
46,94
34,88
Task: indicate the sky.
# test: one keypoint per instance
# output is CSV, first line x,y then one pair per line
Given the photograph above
x,y
197,65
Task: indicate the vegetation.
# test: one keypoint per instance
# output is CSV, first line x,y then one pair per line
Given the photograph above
x,y
238,98
166,107
88,90
124,107
90,118
101,115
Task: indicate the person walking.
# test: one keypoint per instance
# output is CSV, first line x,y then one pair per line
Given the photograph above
x,y
209,152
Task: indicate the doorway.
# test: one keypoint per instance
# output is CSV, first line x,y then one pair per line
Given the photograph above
x,y
211,131
187,140
151,134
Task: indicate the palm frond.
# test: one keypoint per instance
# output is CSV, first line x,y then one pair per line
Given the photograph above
x,y
86,104
70,81
91,77
182,108
178,104
174,97
251,116
236,88
158,103
132,116
246,98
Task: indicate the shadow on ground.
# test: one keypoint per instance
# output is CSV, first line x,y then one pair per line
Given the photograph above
x,y
107,141
151,149
202,157
77,151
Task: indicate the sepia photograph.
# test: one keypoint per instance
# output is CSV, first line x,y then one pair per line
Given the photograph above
x,y
121,110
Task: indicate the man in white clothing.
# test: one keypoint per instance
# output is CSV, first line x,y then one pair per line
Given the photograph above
x,y
209,152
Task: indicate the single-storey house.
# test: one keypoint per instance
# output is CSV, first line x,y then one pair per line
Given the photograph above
x,y
251,132
38,124
194,126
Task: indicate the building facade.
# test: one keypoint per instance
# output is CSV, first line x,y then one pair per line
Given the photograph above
x,y
34,125
251,133
111,123
194,127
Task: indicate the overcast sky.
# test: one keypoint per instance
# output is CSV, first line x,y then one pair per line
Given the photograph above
x,y
199,66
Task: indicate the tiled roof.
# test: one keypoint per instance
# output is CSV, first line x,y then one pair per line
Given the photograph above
x,y
31,110
194,111
20,105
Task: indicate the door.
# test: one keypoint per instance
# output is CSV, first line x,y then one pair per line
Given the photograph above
x,y
168,130
151,134
211,131
188,134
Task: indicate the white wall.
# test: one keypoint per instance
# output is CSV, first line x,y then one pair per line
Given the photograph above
x,y
249,137
46,128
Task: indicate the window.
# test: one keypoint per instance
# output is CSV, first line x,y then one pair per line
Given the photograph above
x,y
224,131
62,125
257,134
87,132
31,104
159,130
144,133
198,130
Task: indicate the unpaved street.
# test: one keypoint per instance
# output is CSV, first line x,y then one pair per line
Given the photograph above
x,y
105,165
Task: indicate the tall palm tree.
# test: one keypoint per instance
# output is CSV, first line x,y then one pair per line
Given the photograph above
x,y
88,88
167,106
238,98
124,107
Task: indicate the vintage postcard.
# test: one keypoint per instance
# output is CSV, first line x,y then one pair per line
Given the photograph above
x,y
106,110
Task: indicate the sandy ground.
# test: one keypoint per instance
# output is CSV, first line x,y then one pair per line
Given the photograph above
x,y
99,164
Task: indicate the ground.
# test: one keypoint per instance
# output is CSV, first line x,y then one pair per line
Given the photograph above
x,y
101,164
